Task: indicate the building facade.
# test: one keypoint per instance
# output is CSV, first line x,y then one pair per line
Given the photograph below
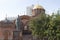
x,y
29,10
19,29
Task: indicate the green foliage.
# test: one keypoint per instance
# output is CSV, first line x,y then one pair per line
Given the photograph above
x,y
37,25
46,26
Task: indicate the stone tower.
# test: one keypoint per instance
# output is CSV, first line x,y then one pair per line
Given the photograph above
x,y
37,9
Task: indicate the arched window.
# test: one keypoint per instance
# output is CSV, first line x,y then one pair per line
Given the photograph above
x,y
25,28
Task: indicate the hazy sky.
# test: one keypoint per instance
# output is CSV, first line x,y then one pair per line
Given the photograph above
x,y
14,7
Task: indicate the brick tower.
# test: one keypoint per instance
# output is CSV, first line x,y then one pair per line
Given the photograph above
x,y
37,9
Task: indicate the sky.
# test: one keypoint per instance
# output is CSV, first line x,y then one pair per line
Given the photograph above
x,y
12,8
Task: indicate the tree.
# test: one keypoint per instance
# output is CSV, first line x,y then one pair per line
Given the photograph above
x,y
37,26
57,25
46,26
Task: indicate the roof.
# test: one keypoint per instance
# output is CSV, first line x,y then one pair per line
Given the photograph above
x,y
38,7
25,17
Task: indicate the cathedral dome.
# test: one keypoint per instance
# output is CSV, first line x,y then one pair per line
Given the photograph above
x,y
38,7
